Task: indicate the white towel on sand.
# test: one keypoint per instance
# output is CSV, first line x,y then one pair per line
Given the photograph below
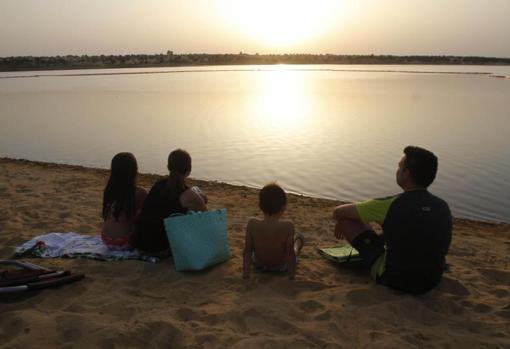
x,y
73,245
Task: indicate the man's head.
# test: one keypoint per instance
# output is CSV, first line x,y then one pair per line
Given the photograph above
x,y
417,168
272,199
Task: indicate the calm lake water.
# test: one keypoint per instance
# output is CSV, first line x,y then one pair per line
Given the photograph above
x,y
329,131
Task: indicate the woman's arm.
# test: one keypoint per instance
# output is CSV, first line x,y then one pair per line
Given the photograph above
x,y
193,201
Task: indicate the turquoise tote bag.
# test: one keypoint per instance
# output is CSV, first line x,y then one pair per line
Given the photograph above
x,y
198,240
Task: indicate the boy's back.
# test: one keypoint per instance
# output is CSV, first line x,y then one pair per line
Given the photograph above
x,y
270,240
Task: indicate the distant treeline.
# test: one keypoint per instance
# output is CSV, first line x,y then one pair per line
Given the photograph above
x,y
171,59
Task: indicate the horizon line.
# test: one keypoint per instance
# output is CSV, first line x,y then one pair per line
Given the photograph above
x,y
242,53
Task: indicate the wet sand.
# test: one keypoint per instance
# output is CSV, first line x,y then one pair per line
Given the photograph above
x,y
135,303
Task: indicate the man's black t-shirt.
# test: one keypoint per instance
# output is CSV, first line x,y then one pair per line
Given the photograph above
x,y
417,231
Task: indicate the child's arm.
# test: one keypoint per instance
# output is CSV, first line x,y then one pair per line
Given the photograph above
x,y
248,250
291,254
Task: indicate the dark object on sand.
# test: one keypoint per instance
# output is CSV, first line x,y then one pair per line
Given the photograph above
x,y
28,276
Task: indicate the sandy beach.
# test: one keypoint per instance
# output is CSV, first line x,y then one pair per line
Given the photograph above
x,y
139,304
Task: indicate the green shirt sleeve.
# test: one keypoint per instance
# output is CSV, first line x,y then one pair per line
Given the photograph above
x,y
374,210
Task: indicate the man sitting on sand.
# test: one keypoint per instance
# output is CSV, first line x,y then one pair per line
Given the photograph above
x,y
271,243
417,228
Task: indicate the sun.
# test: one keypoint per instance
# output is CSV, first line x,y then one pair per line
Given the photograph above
x,y
281,24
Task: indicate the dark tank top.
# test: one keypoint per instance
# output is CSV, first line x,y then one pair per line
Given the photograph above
x,y
150,235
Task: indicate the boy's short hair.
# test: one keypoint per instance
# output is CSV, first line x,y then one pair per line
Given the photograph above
x,y
422,164
272,199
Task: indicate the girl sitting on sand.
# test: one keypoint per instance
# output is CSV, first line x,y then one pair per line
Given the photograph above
x,y
122,202
167,196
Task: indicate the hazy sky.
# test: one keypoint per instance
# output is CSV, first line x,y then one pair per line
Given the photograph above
x,y
450,27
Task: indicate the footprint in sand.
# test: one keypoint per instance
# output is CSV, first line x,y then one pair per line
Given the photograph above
x,y
10,327
211,319
505,313
207,341
482,308
453,286
64,215
311,306
499,292
70,334
265,321
34,215
255,342
310,285
370,296
462,252
495,276
160,334
186,314
324,316
23,189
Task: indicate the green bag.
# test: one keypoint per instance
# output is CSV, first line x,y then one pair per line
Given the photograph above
x,y
341,254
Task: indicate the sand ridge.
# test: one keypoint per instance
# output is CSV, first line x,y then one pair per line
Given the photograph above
x,y
135,304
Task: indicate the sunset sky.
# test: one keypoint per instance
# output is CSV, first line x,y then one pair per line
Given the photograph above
x,y
401,27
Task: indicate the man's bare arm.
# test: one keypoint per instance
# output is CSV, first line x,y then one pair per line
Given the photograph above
x,y
346,211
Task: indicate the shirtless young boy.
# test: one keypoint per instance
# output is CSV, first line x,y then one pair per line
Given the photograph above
x,y
270,242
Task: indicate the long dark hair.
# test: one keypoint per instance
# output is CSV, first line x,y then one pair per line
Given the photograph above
x,y
179,165
119,194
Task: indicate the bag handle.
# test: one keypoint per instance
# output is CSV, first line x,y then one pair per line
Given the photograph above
x,y
191,212
175,215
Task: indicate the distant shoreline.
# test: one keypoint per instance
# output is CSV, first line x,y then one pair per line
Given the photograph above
x,y
73,62
489,74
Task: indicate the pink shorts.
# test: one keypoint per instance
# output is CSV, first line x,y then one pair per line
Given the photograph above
x,y
116,244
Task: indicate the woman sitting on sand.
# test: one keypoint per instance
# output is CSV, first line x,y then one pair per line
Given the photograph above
x,y
122,202
167,196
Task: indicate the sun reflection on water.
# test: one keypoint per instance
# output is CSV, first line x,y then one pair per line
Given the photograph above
x,y
282,103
